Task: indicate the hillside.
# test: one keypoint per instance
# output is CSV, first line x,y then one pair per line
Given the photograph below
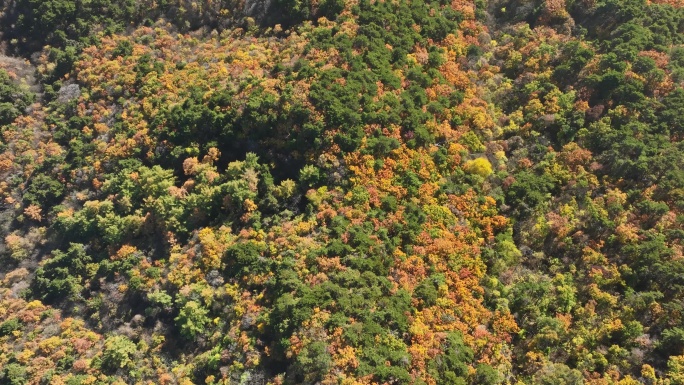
x,y
342,192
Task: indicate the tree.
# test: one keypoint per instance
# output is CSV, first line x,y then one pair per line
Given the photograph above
x,y
312,363
192,320
451,367
14,374
13,100
61,277
486,375
675,370
558,374
479,166
118,353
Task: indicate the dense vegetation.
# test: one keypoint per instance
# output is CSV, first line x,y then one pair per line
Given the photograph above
x,y
342,192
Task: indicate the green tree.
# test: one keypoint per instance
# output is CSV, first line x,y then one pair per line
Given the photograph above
x,y
192,320
62,276
14,374
118,353
312,363
13,100
451,367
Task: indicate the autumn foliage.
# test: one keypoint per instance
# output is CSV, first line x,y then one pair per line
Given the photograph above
x,y
359,192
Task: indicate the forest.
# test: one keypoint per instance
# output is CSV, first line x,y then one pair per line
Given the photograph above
x,y
342,192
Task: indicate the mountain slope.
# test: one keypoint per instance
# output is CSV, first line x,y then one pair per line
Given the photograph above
x,y
366,192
